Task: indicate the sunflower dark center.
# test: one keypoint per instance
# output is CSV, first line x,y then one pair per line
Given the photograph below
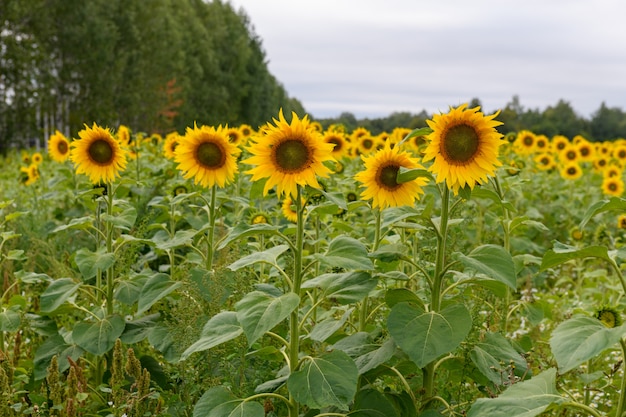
x,y
460,144
62,147
292,156
101,152
621,154
612,186
368,143
584,151
386,177
528,140
572,171
335,142
210,155
571,155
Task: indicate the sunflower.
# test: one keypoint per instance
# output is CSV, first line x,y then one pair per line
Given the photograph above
x,y
559,142
37,158
542,144
464,145
380,178
612,171
246,131
58,147
586,150
609,316
338,140
600,163
571,171
545,161
26,157
260,217
289,154
169,146
234,135
365,144
289,209
525,142
619,154
206,155
98,154
358,133
569,154
123,135
613,186
29,175
621,221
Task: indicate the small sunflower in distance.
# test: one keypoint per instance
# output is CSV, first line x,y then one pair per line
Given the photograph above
x,y
464,146
169,146
288,155
37,158
58,147
206,155
98,154
380,178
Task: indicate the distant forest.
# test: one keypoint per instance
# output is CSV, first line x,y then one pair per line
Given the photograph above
x,y
606,123
162,65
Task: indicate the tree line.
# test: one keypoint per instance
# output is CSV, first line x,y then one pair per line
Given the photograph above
x,y
606,123
153,65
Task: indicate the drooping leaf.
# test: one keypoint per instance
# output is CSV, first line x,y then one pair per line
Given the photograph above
x,y
123,220
57,293
493,261
181,238
243,230
326,328
562,253
347,253
329,380
89,262
344,288
614,203
220,402
139,329
269,256
98,337
219,329
425,336
157,287
581,338
370,402
406,174
491,352
259,312
524,399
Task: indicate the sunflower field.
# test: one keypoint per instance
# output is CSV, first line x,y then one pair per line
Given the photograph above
x,y
291,270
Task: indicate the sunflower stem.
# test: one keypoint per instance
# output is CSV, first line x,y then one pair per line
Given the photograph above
x,y
363,312
435,305
294,323
506,223
211,231
622,395
109,243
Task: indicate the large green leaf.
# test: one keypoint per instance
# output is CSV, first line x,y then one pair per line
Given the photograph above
x,y
57,293
425,336
326,328
269,256
123,220
219,329
220,402
325,381
347,253
614,203
157,287
98,337
79,223
489,355
89,262
581,338
370,402
493,261
562,253
163,241
259,312
344,288
243,230
524,399
10,319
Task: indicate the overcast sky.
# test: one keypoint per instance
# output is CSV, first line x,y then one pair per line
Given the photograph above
x,y
374,57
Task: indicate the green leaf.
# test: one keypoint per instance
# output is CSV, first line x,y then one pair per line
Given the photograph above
x,y
326,328
219,329
493,261
124,220
219,402
420,131
157,287
614,203
244,230
495,349
374,358
89,262
394,296
370,402
347,253
562,253
80,223
325,381
344,288
269,256
137,330
406,174
99,337
395,214
127,291
10,320
15,254
259,312
425,336
56,294
524,399
181,238
581,338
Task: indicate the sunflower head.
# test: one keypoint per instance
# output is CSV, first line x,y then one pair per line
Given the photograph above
x,y
464,147
609,316
169,146
576,234
58,147
613,186
571,171
206,155
259,217
179,189
289,210
621,221
339,142
123,135
37,158
289,155
98,154
380,178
